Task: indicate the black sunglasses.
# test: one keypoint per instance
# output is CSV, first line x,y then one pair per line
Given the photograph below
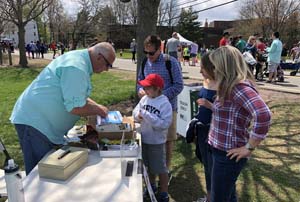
x,y
108,65
150,53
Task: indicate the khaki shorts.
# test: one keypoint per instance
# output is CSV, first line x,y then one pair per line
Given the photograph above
x,y
172,133
272,66
154,158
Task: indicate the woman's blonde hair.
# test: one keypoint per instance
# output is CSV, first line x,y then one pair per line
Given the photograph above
x,y
251,38
230,69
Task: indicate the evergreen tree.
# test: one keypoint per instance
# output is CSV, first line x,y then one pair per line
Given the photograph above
x,y
188,25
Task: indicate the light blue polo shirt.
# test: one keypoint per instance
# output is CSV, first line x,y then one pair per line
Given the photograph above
x,y
46,103
275,51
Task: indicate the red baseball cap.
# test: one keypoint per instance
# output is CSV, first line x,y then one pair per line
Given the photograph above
x,y
152,80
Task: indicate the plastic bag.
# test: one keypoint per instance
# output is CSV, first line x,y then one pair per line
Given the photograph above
x,y
249,58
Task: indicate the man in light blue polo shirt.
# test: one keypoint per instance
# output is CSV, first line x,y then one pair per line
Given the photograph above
x,y
274,56
56,99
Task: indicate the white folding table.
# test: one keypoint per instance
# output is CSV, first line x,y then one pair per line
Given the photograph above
x,y
99,181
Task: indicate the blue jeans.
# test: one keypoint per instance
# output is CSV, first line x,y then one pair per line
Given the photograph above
x,y
224,175
34,145
174,54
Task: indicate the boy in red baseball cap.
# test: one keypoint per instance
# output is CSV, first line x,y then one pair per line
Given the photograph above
x,y
154,113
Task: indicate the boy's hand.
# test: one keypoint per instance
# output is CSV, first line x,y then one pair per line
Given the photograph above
x,y
140,117
141,93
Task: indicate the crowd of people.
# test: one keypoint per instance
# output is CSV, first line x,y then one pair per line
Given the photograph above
x,y
6,46
38,49
269,54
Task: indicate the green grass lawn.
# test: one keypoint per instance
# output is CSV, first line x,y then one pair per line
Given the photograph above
x,y
126,54
272,174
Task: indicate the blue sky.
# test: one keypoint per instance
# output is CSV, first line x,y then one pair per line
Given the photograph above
x,y
226,12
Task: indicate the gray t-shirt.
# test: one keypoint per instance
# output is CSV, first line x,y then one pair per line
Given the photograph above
x,y
172,45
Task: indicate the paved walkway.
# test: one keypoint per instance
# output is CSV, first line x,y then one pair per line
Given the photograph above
x,y
290,85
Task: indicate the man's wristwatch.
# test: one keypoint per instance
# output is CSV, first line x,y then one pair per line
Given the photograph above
x,y
249,147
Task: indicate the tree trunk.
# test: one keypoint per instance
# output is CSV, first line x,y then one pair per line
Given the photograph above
x,y
146,25
23,60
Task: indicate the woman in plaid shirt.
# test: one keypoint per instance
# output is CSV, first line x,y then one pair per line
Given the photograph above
x,y
232,137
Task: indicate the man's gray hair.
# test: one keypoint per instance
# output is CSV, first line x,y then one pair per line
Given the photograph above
x,y
103,48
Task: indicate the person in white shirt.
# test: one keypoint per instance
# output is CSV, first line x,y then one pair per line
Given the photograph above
x,y
154,113
173,44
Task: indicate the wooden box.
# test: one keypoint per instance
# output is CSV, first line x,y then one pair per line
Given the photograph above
x,y
54,166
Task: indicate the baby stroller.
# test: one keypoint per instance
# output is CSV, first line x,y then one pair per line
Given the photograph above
x,y
280,73
293,66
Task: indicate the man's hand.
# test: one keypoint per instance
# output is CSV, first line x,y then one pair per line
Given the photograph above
x,y
90,108
102,110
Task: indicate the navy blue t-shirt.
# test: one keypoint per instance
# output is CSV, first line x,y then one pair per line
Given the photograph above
x,y
204,114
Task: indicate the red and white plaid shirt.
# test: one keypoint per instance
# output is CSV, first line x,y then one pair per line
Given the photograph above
x,y
231,121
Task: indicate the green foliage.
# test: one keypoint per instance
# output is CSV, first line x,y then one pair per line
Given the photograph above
x,y
188,25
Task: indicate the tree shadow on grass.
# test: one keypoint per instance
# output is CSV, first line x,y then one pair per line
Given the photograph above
x,y
186,185
273,173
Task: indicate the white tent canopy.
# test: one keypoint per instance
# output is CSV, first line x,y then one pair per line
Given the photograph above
x,y
184,40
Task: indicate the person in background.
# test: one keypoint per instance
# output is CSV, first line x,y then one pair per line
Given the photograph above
x,y
207,95
224,40
38,49
295,51
260,46
133,50
53,48
33,49
233,139
194,53
186,55
156,63
251,48
173,44
284,52
51,105
42,49
274,57
28,50
241,44
154,112
62,48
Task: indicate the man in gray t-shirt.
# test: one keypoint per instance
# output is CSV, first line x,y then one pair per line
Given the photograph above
x,y
172,45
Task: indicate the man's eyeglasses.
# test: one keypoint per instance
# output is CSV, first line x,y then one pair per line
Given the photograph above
x,y
108,65
150,53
